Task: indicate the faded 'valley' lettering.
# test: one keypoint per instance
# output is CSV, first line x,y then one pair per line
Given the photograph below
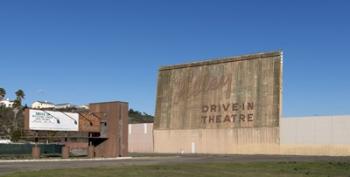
x,y
194,86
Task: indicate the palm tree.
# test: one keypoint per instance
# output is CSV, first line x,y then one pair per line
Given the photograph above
x,y
17,105
2,93
19,97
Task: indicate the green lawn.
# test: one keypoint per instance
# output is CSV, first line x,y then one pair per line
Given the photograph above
x,y
270,169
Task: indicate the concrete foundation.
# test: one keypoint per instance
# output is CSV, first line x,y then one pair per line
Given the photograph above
x,y
218,141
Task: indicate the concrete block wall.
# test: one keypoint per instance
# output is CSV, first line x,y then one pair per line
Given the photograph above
x,y
316,130
140,138
315,135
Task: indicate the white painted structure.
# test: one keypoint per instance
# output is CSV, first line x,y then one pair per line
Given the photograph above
x,y
84,106
46,104
42,104
140,138
315,135
7,103
64,106
315,130
312,135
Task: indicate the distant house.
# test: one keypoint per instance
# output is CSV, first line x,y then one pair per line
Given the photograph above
x,y
46,104
7,103
83,106
64,106
42,104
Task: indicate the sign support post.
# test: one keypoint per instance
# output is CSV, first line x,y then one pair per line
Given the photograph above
x,y
36,148
65,148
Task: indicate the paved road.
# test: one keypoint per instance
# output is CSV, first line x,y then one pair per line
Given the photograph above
x,y
8,167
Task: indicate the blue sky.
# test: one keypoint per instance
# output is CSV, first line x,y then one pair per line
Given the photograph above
x,y
83,51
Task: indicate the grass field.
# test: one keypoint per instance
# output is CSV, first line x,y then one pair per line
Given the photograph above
x,y
257,169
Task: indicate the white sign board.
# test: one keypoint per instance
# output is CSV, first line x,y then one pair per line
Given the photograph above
x,y
53,120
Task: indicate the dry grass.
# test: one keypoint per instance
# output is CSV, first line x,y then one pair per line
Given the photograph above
x,y
269,169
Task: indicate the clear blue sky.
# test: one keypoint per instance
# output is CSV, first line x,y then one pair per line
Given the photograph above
x,y
82,51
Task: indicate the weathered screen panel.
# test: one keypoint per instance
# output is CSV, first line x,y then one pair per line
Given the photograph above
x,y
242,91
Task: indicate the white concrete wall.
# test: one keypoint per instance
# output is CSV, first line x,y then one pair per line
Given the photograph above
x,y
316,135
140,138
316,130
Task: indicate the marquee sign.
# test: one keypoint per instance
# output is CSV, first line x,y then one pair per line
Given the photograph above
x,y
53,120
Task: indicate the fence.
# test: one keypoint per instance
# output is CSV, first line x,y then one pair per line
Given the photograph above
x,y
26,149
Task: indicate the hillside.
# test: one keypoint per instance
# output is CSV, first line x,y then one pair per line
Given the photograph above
x,y
138,117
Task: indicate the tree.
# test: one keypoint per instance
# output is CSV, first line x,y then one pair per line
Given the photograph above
x,y
138,117
6,121
19,97
15,135
2,93
11,119
17,105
